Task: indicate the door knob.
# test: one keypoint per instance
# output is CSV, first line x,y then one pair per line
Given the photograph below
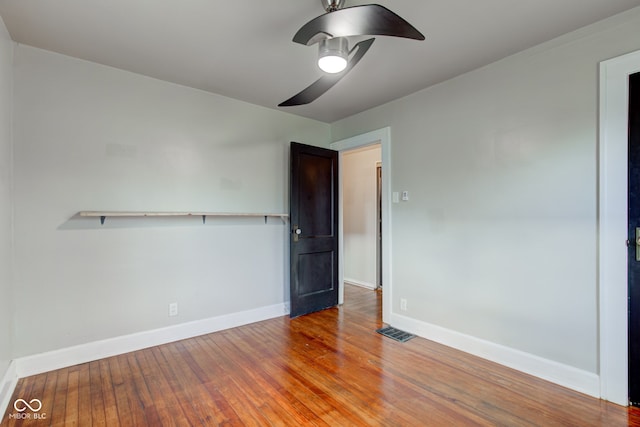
x,y
296,232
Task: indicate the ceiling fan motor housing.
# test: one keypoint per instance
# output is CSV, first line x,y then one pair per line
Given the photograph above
x,y
332,5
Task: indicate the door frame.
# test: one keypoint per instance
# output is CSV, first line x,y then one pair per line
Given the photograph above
x,y
379,224
382,137
612,225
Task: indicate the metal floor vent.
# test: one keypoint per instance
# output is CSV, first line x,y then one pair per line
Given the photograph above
x,y
395,334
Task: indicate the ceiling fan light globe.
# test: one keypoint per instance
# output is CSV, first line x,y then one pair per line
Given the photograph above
x,y
332,64
333,54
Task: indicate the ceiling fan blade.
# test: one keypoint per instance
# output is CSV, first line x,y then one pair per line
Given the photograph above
x,y
326,82
369,19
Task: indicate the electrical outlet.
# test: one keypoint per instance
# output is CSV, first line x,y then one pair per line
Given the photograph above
x,y
403,304
173,309
405,196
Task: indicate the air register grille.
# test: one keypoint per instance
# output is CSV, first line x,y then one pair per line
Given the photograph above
x,y
395,334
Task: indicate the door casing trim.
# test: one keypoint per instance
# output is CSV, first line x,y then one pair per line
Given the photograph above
x,y
612,225
382,137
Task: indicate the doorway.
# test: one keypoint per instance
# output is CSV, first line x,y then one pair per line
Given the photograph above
x,y
361,216
383,138
633,254
379,224
612,222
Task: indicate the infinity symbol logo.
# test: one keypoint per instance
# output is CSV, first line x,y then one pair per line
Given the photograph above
x,y
24,405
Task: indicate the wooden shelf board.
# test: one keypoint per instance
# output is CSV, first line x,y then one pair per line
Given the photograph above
x,y
137,214
103,215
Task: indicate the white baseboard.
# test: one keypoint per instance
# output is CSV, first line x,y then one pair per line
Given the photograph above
x,y
7,386
58,359
359,283
558,373
555,372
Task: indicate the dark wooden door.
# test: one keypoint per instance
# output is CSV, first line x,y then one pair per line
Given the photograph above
x,y
313,209
634,239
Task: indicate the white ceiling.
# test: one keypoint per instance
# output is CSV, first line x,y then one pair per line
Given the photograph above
x,y
243,49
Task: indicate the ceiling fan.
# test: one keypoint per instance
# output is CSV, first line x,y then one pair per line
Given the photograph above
x,y
331,30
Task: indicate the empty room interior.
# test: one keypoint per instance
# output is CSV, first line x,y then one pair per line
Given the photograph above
x,y
480,188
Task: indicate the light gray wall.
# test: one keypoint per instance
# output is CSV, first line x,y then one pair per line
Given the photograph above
x,y
359,198
498,240
89,137
6,198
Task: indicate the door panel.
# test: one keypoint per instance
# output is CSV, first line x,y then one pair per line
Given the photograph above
x,y
633,223
315,185
313,209
312,266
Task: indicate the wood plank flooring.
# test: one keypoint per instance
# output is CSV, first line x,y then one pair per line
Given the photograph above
x,y
325,369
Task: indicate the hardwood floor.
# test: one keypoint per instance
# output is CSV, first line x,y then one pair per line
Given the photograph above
x,y
325,369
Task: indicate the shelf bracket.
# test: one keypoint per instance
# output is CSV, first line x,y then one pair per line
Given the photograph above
x,y
102,218
204,218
